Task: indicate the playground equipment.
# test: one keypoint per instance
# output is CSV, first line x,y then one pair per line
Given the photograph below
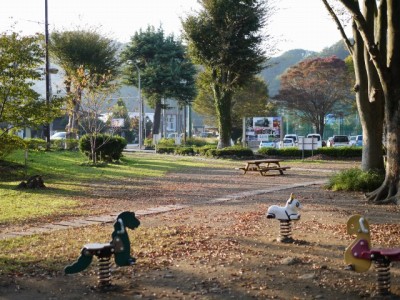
x,y
285,214
119,247
359,254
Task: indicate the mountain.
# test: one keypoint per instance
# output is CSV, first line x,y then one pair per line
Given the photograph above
x,y
278,65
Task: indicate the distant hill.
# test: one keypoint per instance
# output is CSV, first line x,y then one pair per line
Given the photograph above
x,y
278,65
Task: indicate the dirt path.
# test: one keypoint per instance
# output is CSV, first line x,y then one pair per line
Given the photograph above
x,y
221,246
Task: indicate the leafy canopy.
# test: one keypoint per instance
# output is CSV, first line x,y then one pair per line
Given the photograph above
x,y
20,60
165,69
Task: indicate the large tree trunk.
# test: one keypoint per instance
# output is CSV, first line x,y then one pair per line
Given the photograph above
x,y
223,100
389,73
369,98
157,117
388,192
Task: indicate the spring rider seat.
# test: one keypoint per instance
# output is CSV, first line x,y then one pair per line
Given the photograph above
x,y
119,247
359,255
285,215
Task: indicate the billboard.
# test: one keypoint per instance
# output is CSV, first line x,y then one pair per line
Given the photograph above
x,y
261,128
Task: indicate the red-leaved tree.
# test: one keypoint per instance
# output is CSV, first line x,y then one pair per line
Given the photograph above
x,y
314,87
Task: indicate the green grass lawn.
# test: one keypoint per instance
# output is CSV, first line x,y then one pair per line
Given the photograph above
x,y
65,174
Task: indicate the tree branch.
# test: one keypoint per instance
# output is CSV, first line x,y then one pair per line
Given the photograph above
x,y
346,40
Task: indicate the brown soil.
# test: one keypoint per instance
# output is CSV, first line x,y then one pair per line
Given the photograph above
x,y
227,248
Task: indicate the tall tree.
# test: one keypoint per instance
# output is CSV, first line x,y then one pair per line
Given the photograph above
x,y
224,37
249,101
20,60
367,87
87,49
315,87
165,69
377,26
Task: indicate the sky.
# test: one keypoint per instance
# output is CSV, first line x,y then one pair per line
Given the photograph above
x,y
295,24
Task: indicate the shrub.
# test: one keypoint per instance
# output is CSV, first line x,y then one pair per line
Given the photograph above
x,y
195,142
341,151
237,151
71,144
10,143
355,180
184,151
35,144
109,148
166,142
148,142
165,149
203,150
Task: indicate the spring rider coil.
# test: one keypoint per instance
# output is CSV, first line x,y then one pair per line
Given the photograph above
x,y
285,215
119,247
359,254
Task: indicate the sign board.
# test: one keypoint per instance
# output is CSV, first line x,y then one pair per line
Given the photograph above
x,y
258,128
308,143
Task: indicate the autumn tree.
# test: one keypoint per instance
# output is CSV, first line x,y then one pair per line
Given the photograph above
x,y
224,37
376,27
249,101
165,69
95,95
367,87
315,87
82,48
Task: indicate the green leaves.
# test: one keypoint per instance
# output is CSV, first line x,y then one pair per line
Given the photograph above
x,y
20,59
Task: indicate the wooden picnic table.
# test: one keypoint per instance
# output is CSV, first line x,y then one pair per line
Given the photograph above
x,y
263,166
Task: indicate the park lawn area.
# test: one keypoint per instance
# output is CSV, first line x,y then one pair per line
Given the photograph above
x,y
66,175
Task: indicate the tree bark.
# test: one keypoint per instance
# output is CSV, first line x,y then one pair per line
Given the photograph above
x,y
223,106
157,117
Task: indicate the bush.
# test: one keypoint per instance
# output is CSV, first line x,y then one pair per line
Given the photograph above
x,y
237,151
165,149
72,144
166,142
195,142
184,151
203,150
109,148
35,144
10,143
355,180
341,151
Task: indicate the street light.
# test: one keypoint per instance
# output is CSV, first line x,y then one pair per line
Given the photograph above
x,y
140,106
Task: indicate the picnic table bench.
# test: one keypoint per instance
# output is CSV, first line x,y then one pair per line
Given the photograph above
x,y
263,166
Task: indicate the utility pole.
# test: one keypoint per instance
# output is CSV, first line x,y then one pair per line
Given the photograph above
x,y
47,73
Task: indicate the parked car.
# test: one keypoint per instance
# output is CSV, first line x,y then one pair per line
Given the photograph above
x,y
352,140
316,138
291,136
62,135
270,144
359,141
340,141
288,142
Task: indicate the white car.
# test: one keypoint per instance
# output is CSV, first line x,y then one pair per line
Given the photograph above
x,y
294,137
267,144
288,142
62,135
